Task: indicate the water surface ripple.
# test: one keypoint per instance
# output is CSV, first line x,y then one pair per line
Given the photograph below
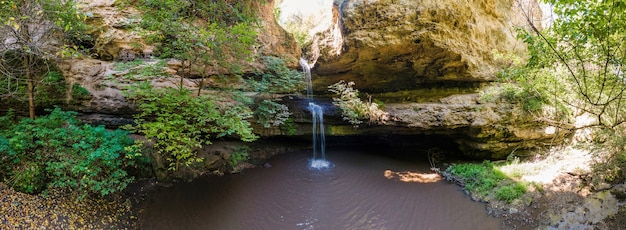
x,y
353,194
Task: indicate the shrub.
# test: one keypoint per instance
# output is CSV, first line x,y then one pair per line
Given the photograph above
x,y
278,78
58,151
181,123
239,154
610,152
270,113
27,177
485,180
352,108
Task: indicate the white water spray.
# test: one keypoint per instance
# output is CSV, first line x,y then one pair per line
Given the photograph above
x,y
317,112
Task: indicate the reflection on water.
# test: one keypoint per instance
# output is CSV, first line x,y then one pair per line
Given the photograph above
x,y
409,176
360,191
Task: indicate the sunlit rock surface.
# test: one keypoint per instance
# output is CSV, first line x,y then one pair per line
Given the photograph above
x,y
428,61
393,45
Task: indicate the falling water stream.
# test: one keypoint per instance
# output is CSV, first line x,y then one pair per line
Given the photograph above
x,y
317,113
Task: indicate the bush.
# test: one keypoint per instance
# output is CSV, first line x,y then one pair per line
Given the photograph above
x,y
271,113
278,78
58,151
239,154
352,108
181,123
609,149
27,177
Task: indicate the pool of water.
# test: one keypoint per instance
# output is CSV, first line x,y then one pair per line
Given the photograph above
x,y
361,190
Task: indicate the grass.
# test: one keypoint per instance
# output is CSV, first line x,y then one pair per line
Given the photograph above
x,y
487,180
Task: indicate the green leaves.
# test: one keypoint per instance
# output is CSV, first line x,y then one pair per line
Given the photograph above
x,y
57,151
352,108
181,123
586,41
270,113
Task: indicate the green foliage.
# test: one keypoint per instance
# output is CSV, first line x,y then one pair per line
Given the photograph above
x,y
27,177
239,154
479,178
180,123
270,113
486,180
52,91
585,44
352,108
610,150
122,66
288,127
57,151
26,55
278,78
583,58
80,93
509,193
227,30
538,91
218,34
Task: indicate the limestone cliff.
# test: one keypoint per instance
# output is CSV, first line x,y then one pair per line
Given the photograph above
x,y
430,62
391,45
116,40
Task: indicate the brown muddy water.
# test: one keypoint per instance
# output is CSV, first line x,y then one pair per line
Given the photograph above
x,y
362,190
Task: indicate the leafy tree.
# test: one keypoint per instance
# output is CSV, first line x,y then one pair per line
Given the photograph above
x,y
34,33
217,34
585,45
583,55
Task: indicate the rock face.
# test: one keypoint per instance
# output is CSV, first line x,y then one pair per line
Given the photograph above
x,y
429,61
115,40
392,45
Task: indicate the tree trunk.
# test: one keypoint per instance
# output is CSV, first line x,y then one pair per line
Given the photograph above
x,y
30,87
31,97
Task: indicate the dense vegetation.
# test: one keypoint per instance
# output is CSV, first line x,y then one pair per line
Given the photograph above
x,y
574,69
58,151
486,181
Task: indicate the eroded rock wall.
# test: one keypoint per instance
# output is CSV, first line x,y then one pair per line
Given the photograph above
x,y
430,62
391,45
116,39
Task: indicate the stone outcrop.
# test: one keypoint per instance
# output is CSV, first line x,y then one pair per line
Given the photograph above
x,y
391,45
428,61
115,40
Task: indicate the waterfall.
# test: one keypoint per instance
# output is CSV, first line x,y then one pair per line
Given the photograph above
x,y
317,112
307,77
